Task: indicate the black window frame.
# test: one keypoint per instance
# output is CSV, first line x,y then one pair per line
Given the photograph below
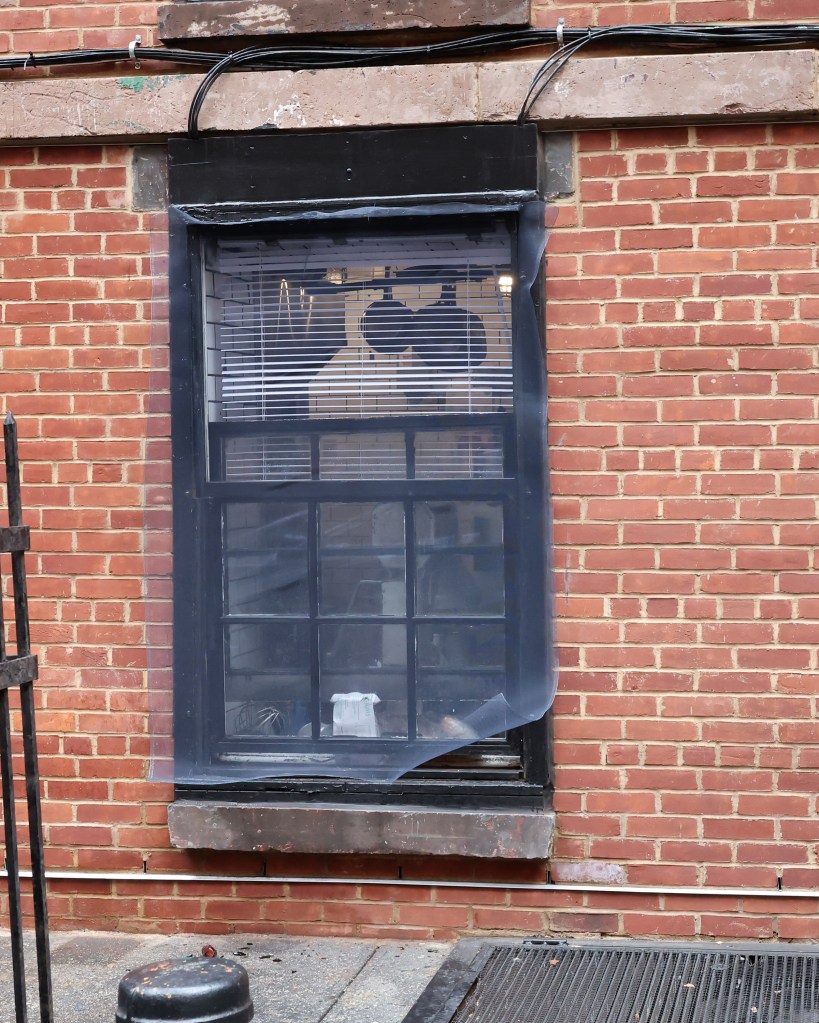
x,y
250,184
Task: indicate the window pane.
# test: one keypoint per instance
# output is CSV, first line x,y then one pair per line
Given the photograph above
x,y
459,557
265,559
460,668
459,454
468,649
364,679
267,459
361,559
362,456
267,678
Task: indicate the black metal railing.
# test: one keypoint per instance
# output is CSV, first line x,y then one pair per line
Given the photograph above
x,y
19,671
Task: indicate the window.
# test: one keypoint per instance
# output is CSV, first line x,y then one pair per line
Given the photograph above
x,y
359,466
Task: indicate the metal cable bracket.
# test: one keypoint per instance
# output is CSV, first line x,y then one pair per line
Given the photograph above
x,y
136,41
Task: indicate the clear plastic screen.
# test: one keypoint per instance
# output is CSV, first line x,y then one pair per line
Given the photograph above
x,y
369,605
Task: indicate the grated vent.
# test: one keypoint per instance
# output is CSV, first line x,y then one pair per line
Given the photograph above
x,y
557,984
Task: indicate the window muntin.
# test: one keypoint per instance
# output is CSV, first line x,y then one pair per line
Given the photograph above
x,y
369,579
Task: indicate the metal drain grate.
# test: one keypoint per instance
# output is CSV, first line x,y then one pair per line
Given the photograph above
x,y
642,984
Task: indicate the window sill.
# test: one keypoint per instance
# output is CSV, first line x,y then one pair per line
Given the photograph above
x,y
247,18
376,830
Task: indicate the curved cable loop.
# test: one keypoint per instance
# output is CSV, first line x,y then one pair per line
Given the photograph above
x,y
293,57
340,57
555,63
203,89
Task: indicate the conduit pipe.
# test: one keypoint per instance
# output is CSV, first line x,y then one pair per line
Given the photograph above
x,y
617,889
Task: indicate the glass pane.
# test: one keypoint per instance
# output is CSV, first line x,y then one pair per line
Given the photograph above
x,y
459,454
265,559
354,323
467,649
267,678
364,679
361,559
461,676
267,459
459,557
362,456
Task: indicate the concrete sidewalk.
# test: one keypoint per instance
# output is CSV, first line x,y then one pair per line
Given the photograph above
x,y
292,980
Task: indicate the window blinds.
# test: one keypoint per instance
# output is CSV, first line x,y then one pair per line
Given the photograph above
x,y
360,324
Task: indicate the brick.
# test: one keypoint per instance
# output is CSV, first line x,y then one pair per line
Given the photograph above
x,y
656,238
485,919
578,922
733,185
798,928
698,852
678,925
737,928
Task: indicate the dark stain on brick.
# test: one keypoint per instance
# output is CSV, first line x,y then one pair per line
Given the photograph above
x,y
150,177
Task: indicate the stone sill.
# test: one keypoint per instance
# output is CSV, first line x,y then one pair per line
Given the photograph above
x,y
204,19
331,829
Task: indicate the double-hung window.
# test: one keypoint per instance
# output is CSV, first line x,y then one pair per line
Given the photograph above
x,y
359,547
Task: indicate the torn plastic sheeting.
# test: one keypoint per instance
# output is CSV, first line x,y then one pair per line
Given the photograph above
x,y
377,753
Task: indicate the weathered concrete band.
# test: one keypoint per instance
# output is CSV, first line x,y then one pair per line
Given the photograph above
x,y
676,88
208,18
379,830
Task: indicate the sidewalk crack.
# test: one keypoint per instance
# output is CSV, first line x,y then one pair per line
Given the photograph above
x,y
348,985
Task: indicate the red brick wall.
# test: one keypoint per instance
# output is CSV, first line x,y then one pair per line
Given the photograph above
x,y
643,12
48,25
683,358
76,359
683,404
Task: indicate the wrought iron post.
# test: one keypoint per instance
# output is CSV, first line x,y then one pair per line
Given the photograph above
x,y
20,670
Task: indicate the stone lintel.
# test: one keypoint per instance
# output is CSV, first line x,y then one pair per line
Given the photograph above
x,y
375,830
674,88
205,19
606,91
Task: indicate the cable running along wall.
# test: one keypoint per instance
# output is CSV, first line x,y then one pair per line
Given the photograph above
x,y
295,56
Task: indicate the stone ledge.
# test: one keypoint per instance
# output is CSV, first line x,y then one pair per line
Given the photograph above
x,y
375,830
205,19
610,91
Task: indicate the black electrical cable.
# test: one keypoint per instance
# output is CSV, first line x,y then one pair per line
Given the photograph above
x,y
339,57
708,35
108,56
550,69
294,56
299,55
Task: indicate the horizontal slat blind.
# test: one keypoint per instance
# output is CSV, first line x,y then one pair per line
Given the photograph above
x,y
350,326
